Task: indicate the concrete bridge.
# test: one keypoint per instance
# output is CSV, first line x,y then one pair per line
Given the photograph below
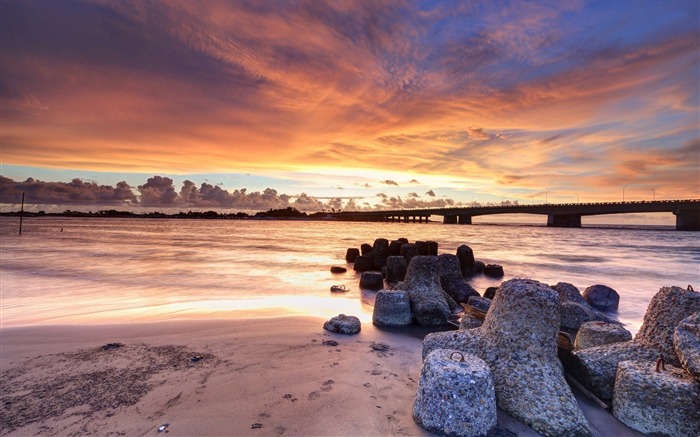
x,y
687,212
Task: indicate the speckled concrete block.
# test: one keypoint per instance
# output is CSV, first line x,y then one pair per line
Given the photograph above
x,y
659,403
455,397
428,300
371,281
343,324
686,342
592,334
395,269
469,322
597,366
392,308
518,340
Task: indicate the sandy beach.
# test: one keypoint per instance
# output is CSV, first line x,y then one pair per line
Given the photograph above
x,y
253,377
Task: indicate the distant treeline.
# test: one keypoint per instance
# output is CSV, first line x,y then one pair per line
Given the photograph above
x,y
286,213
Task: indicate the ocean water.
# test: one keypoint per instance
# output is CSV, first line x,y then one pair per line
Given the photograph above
x,y
111,270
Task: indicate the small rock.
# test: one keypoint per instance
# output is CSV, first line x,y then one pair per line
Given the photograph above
x,y
408,251
392,308
493,270
351,254
338,269
395,248
330,343
395,268
466,260
343,324
380,251
480,303
365,249
432,248
592,334
490,292
363,263
602,297
423,248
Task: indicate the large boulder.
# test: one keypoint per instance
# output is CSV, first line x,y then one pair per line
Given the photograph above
x,y
392,308
343,324
518,340
664,402
592,334
686,343
469,321
602,297
465,254
666,310
573,314
371,281
395,268
596,367
569,293
448,265
455,395
365,249
380,252
422,282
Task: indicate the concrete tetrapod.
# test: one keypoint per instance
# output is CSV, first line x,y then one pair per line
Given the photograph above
x,y
518,340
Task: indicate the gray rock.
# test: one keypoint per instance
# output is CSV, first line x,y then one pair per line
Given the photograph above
x,y
596,367
351,254
395,248
601,297
392,308
363,263
432,248
666,310
365,248
466,260
469,321
423,248
448,265
380,251
343,324
518,340
573,314
455,398
480,303
408,251
479,266
686,343
493,270
372,281
422,283
457,288
395,268
663,403
569,293
592,334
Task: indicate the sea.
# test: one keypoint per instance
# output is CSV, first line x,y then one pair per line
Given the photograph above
x,y
65,270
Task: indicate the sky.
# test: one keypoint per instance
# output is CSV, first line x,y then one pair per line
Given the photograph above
x,y
348,104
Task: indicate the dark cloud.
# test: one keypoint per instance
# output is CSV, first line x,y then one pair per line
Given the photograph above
x,y
389,182
74,192
415,195
413,181
396,202
430,193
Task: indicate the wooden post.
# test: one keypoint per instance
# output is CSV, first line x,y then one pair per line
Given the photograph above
x,y
21,214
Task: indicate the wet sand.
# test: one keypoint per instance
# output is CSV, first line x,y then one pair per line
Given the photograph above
x,y
252,377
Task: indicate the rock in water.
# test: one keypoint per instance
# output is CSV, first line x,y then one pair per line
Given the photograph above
x,y
395,268
457,288
518,340
602,297
338,269
371,281
466,260
422,283
432,248
343,324
490,292
392,308
395,248
569,292
657,403
380,251
352,254
365,249
423,248
408,251
493,270
686,343
592,334
597,366
455,395
363,263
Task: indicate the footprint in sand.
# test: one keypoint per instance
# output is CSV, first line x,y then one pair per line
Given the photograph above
x,y
328,385
280,430
314,395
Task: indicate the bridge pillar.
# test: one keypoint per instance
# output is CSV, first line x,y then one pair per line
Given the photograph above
x,y
687,219
564,220
450,219
465,219
405,219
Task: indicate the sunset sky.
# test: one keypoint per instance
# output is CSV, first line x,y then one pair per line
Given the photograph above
x,y
379,103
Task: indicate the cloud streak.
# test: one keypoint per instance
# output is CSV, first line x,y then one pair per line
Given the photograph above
x,y
491,96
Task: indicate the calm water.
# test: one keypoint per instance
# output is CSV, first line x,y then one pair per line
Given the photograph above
x,y
116,270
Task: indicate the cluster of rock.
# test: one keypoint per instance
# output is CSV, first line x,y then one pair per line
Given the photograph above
x,y
653,380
